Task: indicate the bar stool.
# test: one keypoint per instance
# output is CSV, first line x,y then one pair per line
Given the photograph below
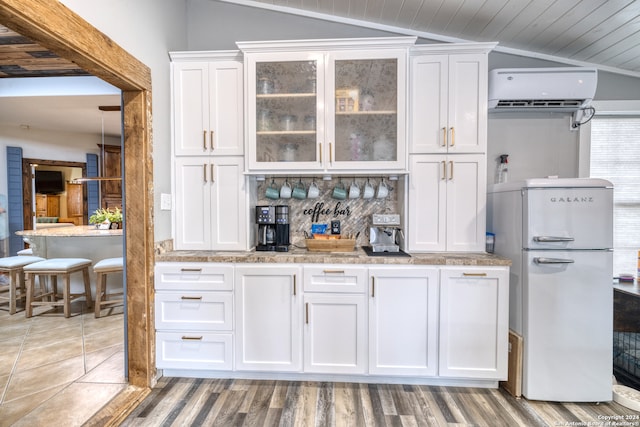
x,y
13,266
53,268
102,268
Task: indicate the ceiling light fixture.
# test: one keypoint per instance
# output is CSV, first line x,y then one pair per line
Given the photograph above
x,y
102,108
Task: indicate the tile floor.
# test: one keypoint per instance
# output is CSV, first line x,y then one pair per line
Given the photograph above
x,y
57,371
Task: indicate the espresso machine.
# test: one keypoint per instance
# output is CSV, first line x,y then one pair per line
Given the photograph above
x,y
384,232
273,228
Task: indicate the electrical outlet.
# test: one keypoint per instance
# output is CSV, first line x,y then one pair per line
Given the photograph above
x,y
165,202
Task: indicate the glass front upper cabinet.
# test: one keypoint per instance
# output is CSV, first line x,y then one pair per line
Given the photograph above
x,y
326,110
286,116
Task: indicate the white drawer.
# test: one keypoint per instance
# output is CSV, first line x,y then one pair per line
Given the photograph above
x,y
194,276
194,350
194,310
335,278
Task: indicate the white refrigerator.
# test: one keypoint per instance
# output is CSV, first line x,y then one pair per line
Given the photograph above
x,y
559,235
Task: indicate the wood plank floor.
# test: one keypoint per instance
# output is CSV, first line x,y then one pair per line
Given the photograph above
x,y
227,402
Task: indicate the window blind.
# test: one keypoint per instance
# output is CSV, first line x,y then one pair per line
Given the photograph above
x,y
615,156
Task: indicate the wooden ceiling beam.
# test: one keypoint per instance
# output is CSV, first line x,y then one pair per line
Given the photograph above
x,y
93,52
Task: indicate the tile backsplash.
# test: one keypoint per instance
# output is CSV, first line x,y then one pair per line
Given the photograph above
x,y
354,214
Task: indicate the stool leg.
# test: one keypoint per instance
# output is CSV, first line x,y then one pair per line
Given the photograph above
x,y
13,284
30,288
54,288
87,286
101,286
66,295
21,285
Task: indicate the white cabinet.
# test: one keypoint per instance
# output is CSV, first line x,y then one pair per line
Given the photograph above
x,y
207,103
211,203
268,303
474,323
194,316
210,190
403,321
335,325
448,98
447,199
327,105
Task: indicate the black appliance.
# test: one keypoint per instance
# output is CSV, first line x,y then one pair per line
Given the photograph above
x,y
273,228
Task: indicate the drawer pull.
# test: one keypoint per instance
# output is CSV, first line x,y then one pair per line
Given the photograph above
x,y
191,270
333,271
474,274
192,298
186,338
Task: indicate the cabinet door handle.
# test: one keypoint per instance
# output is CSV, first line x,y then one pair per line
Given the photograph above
x,y
204,140
444,137
294,285
320,152
330,153
444,171
306,313
191,270
474,274
453,136
204,172
191,298
212,174
212,139
451,170
187,338
373,287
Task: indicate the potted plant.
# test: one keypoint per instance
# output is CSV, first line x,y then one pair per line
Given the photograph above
x,y
113,216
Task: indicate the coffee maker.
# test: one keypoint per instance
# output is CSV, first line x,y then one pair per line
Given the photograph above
x,y
273,228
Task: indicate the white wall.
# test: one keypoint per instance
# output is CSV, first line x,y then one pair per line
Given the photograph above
x,y
148,30
538,145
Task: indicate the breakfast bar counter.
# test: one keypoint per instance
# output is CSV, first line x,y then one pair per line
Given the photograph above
x,y
84,241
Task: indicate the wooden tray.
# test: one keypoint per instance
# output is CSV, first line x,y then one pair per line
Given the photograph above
x,y
330,245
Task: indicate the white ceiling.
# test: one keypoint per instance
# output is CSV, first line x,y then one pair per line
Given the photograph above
x,y
580,32
73,113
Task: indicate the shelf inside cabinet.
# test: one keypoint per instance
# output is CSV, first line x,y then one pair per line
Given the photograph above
x,y
285,95
287,132
366,113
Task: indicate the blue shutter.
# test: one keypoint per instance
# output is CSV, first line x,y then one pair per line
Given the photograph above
x,y
14,198
93,187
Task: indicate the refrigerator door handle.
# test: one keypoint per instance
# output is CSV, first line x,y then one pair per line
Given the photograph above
x,y
544,260
547,239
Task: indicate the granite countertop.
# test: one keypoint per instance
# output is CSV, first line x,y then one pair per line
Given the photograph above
x,y
76,231
358,256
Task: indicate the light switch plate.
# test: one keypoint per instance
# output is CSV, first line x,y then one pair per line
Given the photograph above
x,y
165,202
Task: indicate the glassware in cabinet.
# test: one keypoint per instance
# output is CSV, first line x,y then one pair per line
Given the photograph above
x,y
286,112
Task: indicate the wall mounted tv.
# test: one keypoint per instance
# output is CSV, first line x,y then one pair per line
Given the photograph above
x,y
49,182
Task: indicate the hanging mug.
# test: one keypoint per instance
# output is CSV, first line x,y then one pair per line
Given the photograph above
x,y
354,190
339,191
285,190
368,191
383,190
314,191
298,191
272,192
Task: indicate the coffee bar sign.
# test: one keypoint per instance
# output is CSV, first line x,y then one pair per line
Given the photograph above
x,y
319,210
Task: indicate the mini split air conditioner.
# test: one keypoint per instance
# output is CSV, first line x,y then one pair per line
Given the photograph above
x,y
541,89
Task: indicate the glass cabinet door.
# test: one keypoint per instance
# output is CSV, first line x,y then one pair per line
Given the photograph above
x,y
367,111
286,114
